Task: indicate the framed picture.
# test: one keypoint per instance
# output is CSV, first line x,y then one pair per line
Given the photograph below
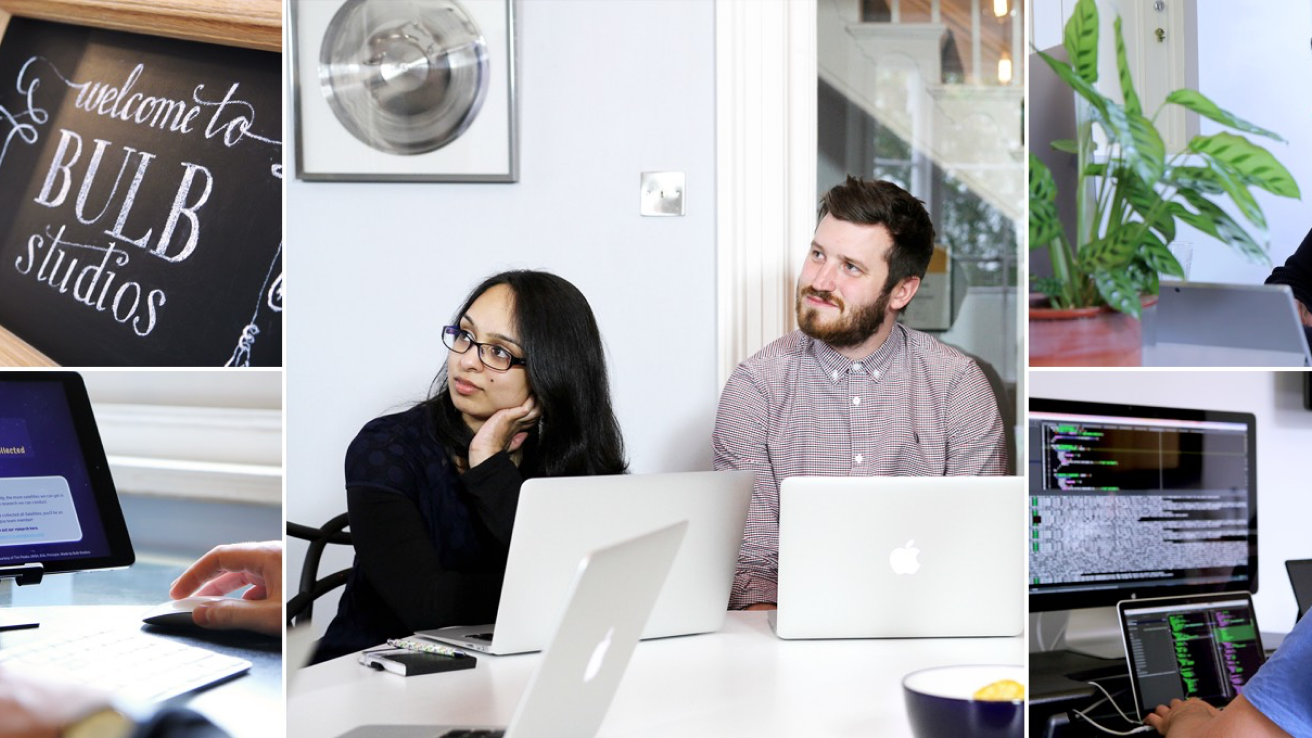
x,y
408,91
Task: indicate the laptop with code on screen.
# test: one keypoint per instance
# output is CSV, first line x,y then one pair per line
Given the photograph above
x,y
1204,646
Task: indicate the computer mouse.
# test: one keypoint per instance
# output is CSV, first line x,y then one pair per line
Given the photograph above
x,y
176,613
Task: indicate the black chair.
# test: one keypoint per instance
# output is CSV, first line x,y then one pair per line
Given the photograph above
x,y
301,607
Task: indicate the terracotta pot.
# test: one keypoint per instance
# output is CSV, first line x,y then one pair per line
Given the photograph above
x,y
1095,336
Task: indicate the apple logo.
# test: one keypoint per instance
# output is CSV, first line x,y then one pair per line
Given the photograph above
x,y
598,656
905,560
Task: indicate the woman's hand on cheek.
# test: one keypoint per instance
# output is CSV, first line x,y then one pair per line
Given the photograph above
x,y
506,430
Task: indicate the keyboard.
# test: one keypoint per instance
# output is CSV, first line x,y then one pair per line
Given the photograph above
x,y
129,664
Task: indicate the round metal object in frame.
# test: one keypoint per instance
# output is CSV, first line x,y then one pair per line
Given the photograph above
x,y
404,76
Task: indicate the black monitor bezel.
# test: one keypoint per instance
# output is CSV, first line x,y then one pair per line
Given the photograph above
x,y
120,553
1109,597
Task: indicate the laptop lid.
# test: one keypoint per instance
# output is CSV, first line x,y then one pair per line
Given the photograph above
x,y
1300,578
890,557
560,519
609,599
1204,646
1230,325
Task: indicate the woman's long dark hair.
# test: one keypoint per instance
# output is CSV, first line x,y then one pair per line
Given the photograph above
x,y
578,433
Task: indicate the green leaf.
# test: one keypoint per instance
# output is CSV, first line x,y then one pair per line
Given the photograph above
x,y
1253,163
1119,291
1145,201
1044,223
1239,193
1095,170
1215,222
1141,145
1159,258
1199,103
1123,67
1081,40
1143,278
1068,145
1083,88
1200,179
1106,253
1050,286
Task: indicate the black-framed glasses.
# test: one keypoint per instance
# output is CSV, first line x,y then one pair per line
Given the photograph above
x,y
493,356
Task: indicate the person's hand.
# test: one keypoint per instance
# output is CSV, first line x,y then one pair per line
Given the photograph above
x,y
1304,314
230,567
762,606
506,430
32,706
1180,713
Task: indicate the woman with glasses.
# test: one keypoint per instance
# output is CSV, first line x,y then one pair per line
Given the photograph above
x,y
432,491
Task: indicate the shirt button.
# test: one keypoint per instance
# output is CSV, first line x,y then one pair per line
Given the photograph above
x,y
875,373
835,375
856,400
859,458
857,367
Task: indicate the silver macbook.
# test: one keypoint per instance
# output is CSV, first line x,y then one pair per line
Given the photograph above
x,y
560,519
1200,324
900,557
610,597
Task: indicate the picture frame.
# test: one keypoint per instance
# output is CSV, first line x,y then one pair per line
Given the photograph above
x,y
326,151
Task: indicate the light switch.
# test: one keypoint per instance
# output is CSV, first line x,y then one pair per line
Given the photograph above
x,y
662,193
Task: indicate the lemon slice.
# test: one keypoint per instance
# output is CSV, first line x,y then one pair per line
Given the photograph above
x,y
1001,690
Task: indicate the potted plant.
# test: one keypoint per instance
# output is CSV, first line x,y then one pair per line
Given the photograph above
x,y
1129,199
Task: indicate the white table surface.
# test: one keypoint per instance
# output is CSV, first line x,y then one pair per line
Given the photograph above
x,y
741,681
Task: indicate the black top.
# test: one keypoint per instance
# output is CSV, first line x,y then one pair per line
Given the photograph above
x,y
430,543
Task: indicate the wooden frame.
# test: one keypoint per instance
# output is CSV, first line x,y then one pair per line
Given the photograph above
x,y
251,24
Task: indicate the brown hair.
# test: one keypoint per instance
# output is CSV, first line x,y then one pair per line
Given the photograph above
x,y
877,202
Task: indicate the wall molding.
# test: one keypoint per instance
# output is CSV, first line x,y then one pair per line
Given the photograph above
x,y
223,454
765,52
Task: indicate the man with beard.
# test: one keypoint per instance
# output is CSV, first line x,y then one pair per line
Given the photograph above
x,y
854,392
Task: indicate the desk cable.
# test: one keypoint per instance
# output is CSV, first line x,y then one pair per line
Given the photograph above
x,y
1083,714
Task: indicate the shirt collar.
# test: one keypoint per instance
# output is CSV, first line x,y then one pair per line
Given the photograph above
x,y
835,365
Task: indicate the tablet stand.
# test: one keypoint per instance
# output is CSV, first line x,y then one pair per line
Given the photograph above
x,y
23,574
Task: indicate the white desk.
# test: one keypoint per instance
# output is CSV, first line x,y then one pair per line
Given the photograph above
x,y
741,681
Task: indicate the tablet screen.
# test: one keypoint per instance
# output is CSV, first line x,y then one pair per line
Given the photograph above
x,y
58,504
1182,647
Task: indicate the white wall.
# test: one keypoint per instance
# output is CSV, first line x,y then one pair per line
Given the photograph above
x,y
608,90
1253,60
1284,437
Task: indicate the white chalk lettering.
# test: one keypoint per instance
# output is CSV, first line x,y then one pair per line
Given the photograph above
x,y
182,208
59,168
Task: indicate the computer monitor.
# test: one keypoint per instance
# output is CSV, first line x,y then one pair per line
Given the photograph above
x,y
59,510
1134,501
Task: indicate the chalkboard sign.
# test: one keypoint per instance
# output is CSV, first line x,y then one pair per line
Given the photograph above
x,y
140,198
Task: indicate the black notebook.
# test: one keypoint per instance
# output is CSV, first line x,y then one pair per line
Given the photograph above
x,y
414,663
